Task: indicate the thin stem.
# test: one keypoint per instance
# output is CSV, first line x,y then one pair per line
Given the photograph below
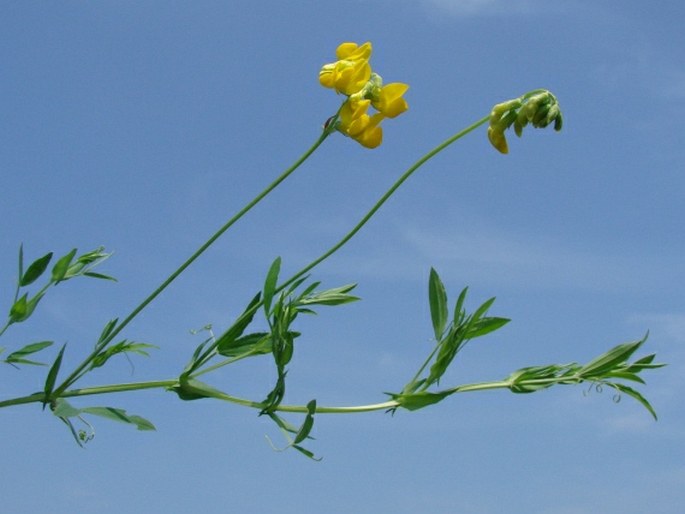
x,y
211,350
82,368
166,384
383,199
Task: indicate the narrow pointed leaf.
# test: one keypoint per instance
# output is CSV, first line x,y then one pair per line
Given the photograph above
x,y
119,415
420,400
636,395
485,326
437,299
607,361
308,423
100,276
19,356
35,270
109,327
52,374
270,284
18,311
59,270
236,330
459,307
257,343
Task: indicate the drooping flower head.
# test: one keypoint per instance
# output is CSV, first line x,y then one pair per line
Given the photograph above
x,y
539,108
351,75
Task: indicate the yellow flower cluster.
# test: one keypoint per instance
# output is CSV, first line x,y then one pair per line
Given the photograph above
x,y
351,75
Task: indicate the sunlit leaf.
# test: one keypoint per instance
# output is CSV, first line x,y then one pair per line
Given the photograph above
x,y
257,343
437,298
121,347
52,373
109,327
19,356
609,360
119,415
101,276
485,326
307,424
59,270
636,395
334,296
421,399
270,284
35,270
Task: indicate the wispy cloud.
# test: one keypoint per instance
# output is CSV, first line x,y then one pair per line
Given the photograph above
x,y
491,256
485,7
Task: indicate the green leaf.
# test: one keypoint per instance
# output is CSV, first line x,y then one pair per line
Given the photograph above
x,y
308,423
480,311
63,409
307,291
275,396
459,312
52,374
334,296
484,326
21,263
35,270
121,347
609,360
119,415
270,284
306,453
437,298
101,276
18,357
257,343
109,327
192,389
227,339
636,395
59,270
18,311
415,401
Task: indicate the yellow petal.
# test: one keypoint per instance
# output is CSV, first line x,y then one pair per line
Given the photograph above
x,y
353,52
390,101
371,138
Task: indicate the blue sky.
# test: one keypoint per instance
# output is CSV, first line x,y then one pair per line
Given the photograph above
x,y
143,126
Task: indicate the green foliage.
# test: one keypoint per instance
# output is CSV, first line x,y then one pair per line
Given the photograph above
x,y
23,306
278,334
604,370
300,434
124,347
69,414
19,356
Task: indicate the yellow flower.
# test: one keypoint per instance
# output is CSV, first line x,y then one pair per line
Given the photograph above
x,y
351,75
350,72
389,101
357,124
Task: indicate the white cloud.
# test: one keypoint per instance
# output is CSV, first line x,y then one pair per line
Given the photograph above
x,y
485,7
499,257
487,255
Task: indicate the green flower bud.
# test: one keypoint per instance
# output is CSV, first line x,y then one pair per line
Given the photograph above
x,y
539,108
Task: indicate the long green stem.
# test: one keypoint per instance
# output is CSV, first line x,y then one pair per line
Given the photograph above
x,y
210,352
165,384
82,368
383,199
